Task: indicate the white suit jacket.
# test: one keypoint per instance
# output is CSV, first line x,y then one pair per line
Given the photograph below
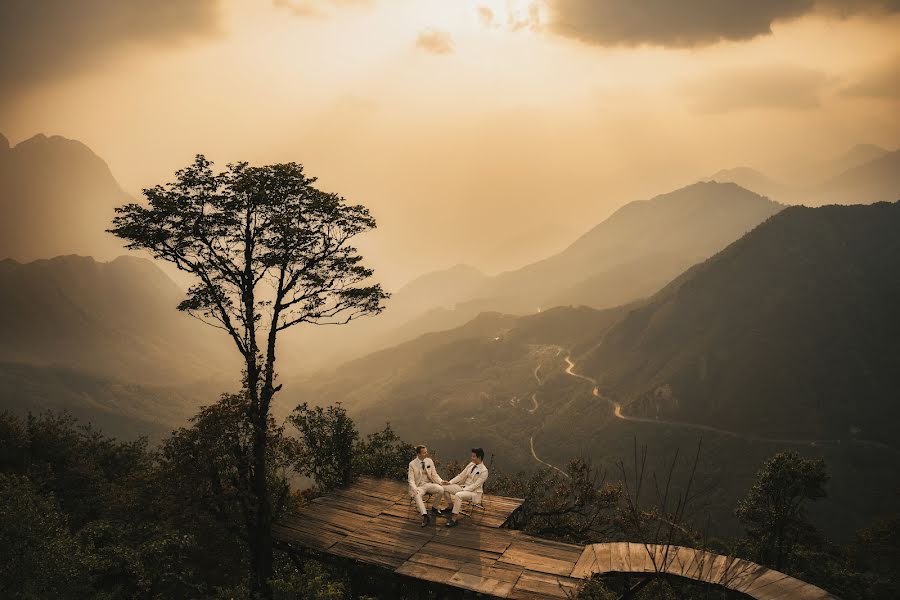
x,y
417,476
472,480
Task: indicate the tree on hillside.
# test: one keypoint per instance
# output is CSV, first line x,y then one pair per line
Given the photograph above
x,y
330,450
774,509
269,251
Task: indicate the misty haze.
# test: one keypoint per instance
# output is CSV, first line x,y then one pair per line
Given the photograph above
x,y
425,299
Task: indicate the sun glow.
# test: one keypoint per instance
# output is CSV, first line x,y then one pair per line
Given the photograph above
x,y
494,15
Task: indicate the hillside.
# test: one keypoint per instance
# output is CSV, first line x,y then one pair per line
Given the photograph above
x,y
121,409
115,319
863,175
752,179
788,333
486,366
56,197
619,260
875,181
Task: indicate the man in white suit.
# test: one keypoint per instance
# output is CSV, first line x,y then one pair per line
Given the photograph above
x,y
423,479
468,485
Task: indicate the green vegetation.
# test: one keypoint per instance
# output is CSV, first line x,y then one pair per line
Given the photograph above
x,y
267,251
798,317
84,515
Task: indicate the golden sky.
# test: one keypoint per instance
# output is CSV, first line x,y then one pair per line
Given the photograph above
x,y
480,131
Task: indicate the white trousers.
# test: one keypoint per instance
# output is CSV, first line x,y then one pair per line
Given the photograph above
x,y
455,496
428,488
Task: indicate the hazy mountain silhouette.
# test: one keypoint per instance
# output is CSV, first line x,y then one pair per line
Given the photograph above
x,y
856,156
490,356
630,255
752,179
637,250
119,408
115,319
785,337
864,174
790,332
56,197
875,181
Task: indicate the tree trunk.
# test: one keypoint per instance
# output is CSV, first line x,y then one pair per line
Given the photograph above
x,y
261,569
261,537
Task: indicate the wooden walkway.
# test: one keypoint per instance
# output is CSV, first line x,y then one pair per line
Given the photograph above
x,y
372,522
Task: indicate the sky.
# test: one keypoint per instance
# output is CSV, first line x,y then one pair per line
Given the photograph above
x,y
488,132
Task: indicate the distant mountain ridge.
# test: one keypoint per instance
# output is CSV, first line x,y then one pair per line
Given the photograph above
x,y
56,197
789,332
796,319
633,253
116,319
863,175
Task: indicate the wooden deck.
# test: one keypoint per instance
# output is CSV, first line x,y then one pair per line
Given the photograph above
x,y
372,522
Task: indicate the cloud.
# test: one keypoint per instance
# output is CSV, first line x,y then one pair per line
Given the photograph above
x,y
41,40
769,87
689,23
316,8
435,41
485,15
882,81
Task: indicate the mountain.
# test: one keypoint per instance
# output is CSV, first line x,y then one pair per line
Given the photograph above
x,y
785,339
630,255
119,408
474,381
637,250
752,179
112,319
864,174
856,156
790,332
56,197
877,180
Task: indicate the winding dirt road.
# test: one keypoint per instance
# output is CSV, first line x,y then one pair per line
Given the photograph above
x,y
617,411
546,464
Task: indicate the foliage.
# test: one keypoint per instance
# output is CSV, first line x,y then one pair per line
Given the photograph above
x,y
382,454
774,509
579,506
311,582
211,463
41,559
269,251
594,588
326,440
876,554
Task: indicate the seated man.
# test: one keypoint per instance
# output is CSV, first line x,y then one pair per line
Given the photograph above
x,y
423,479
466,486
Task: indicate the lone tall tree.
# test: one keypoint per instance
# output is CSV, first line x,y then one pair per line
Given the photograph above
x,y
269,251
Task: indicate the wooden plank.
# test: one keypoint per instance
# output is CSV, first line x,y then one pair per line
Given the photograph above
x,y
370,522
618,561
482,538
532,585
746,575
503,572
719,566
426,572
690,560
773,585
587,563
639,558
538,555
482,585
383,541
456,557
707,562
